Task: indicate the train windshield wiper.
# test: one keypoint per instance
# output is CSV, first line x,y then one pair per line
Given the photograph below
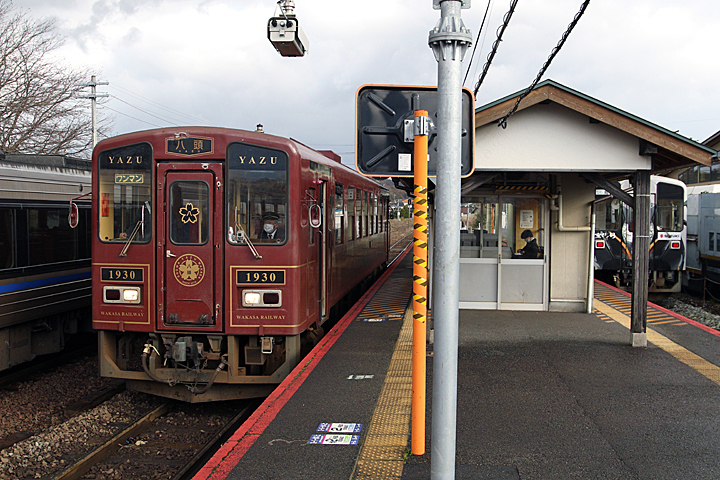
x,y
244,238
123,253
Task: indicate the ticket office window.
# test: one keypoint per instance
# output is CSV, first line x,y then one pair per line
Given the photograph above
x,y
492,226
125,181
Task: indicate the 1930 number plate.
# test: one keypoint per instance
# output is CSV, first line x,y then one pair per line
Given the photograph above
x,y
261,277
121,274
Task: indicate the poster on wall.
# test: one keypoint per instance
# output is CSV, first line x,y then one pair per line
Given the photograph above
x,y
526,219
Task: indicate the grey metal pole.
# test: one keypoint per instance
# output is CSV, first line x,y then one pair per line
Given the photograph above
x,y
449,41
93,100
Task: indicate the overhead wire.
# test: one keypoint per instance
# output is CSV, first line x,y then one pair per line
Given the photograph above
x,y
503,121
144,111
158,105
496,44
477,40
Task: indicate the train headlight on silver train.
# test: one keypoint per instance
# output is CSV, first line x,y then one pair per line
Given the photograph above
x,y
129,295
261,298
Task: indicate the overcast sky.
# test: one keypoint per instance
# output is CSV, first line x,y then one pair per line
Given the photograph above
x,y
185,62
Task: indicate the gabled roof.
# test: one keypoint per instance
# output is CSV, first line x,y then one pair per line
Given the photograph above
x,y
673,150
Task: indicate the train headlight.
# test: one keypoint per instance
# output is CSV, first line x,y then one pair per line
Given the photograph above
x,y
262,298
675,245
599,243
251,299
121,295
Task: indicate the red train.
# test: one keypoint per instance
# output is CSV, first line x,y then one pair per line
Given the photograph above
x,y
220,253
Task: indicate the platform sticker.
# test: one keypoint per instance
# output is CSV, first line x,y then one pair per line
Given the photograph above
x,y
334,440
374,319
339,427
360,377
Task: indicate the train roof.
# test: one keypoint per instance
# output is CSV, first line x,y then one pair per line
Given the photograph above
x,y
47,162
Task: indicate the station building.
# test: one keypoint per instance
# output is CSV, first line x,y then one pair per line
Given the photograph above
x,y
540,173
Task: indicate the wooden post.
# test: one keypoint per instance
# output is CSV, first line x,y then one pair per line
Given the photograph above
x,y
641,258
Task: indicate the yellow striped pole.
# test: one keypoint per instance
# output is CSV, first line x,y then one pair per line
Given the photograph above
x,y
420,284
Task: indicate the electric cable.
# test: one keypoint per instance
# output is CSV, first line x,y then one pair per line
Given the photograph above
x,y
503,121
477,40
491,55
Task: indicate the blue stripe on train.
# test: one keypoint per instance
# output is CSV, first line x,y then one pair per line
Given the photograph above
x,y
14,287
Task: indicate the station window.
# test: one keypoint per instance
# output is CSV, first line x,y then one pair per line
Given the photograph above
x,y
711,243
257,194
339,214
125,180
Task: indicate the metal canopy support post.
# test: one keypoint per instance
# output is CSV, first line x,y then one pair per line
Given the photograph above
x,y
641,256
449,41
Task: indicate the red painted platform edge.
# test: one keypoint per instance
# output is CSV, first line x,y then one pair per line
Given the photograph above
x,y
225,459
669,312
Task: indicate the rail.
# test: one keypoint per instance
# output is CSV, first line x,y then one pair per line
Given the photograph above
x,y
398,251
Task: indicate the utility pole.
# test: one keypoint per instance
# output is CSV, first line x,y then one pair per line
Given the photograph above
x,y
93,98
449,41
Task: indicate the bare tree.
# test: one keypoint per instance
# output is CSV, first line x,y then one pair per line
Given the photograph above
x,y
39,110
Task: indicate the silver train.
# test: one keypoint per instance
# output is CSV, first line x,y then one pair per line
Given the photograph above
x,y
703,222
45,285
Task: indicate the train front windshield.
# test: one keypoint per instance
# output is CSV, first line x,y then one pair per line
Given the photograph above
x,y
125,180
257,194
669,208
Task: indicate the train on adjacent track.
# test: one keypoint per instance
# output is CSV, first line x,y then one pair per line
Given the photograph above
x,y
703,223
45,284
668,232
218,255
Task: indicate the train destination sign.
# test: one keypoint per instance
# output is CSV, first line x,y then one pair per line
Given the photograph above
x,y
189,146
384,141
129,157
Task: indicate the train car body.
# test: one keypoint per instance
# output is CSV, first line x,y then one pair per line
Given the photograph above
x,y
614,236
45,284
703,246
218,253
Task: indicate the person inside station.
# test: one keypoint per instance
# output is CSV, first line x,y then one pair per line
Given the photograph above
x,y
270,230
531,249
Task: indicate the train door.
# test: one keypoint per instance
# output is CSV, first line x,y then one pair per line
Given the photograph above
x,y
190,264
319,220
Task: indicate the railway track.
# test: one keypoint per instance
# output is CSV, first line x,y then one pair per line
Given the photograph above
x,y
172,441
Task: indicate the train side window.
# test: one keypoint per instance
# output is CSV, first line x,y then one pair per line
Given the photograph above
x,y
712,241
351,215
50,239
339,210
7,238
125,181
358,213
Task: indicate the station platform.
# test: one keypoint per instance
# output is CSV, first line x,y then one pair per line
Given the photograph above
x,y
541,395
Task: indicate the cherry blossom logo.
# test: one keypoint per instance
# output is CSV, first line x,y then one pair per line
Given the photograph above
x,y
189,213
189,270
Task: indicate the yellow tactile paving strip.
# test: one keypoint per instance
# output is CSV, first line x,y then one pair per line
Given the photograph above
x,y
382,454
390,302
622,303
696,362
